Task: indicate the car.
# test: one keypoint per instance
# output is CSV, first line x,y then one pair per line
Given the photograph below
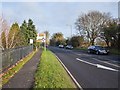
x,y
61,46
69,47
97,50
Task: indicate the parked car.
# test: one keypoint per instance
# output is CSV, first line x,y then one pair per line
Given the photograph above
x,y
61,46
69,47
97,50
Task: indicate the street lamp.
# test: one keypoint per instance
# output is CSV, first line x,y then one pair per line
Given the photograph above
x,y
70,29
44,41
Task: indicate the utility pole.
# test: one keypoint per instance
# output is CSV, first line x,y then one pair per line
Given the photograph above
x,y
45,41
70,29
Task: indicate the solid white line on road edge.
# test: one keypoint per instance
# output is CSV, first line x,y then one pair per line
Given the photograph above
x,y
106,62
69,73
97,65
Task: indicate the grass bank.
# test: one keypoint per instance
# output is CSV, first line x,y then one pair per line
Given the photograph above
x,y
83,48
114,51
51,74
15,68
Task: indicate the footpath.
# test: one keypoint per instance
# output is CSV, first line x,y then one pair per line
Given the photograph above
x,y
25,77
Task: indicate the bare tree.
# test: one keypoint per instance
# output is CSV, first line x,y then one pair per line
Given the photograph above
x,y
90,24
4,28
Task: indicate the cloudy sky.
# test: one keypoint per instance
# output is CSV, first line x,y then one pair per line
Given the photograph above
x,y
54,16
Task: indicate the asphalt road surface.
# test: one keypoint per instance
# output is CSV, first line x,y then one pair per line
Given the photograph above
x,y
90,70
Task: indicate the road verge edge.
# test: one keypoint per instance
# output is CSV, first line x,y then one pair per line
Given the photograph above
x,y
74,80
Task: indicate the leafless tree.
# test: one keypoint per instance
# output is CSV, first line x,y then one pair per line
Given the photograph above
x,y
90,24
4,28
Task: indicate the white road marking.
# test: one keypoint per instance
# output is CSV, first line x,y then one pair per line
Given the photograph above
x,y
106,62
104,67
101,61
86,62
79,86
97,65
82,54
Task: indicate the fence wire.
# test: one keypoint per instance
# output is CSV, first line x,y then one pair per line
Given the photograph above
x,y
11,56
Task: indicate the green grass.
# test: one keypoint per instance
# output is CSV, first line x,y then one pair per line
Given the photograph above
x,y
115,51
51,74
83,48
11,72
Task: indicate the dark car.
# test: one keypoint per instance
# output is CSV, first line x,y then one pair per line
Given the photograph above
x,y
97,50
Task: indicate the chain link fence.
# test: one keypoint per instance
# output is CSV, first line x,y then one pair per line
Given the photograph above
x,y
11,56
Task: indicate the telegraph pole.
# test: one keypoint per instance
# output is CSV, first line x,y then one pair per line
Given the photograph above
x,y
70,29
45,41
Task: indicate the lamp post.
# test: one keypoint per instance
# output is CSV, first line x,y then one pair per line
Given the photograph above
x,y
70,29
45,41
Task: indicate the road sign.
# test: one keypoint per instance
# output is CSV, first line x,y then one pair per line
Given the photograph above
x,y
31,41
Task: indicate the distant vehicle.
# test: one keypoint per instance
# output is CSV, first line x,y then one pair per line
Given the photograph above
x,y
69,47
97,50
61,46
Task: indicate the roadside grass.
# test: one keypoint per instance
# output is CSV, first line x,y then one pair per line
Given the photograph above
x,y
15,68
115,51
82,48
51,74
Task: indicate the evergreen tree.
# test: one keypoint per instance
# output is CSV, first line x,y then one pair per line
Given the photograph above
x,y
29,32
25,32
32,31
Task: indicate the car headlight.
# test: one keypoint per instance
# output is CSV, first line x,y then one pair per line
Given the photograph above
x,y
102,51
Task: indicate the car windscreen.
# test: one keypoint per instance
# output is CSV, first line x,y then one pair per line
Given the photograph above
x,y
99,47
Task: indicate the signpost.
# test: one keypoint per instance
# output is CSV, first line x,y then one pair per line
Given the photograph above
x,y
44,40
31,41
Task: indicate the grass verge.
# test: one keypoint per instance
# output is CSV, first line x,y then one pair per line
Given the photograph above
x,y
115,51
15,68
83,48
51,74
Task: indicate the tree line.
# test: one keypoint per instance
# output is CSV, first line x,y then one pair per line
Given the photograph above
x,y
92,27
17,36
58,38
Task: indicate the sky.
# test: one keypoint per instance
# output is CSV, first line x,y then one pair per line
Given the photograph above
x,y
54,16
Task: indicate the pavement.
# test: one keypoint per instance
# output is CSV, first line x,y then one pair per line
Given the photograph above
x,y
90,70
25,77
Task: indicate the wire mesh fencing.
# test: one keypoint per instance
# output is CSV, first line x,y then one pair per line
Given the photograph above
x,y
11,56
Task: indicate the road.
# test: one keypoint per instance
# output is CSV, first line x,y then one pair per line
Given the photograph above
x,y
89,70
